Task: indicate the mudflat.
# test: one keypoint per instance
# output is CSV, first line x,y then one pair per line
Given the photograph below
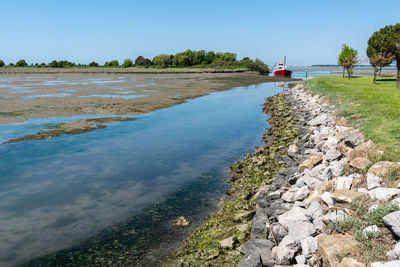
x,y
24,96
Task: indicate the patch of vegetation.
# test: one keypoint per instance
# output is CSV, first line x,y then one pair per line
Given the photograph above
x,y
342,226
376,216
374,107
341,256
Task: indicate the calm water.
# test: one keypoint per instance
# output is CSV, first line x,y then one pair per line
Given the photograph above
x,y
57,192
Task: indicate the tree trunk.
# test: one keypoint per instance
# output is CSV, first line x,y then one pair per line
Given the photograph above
x,y
348,73
375,71
398,70
343,72
380,71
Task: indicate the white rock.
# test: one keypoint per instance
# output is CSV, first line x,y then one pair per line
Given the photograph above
x,y
372,229
340,215
314,211
301,230
327,199
332,154
321,119
386,264
394,254
302,193
310,182
344,182
382,193
288,196
286,250
373,207
362,190
396,201
330,144
327,174
293,149
317,170
295,214
373,181
300,259
308,246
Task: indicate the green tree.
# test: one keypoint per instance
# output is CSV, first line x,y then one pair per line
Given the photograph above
x,y
127,63
162,61
199,57
139,61
209,57
93,64
347,59
21,63
2,63
390,44
228,56
112,63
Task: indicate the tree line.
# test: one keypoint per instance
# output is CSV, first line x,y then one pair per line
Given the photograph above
x,y
383,48
188,58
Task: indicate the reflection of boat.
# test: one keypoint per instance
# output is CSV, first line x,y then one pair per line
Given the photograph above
x,y
281,70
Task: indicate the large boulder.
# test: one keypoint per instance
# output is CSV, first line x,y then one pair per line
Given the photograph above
x,y
383,168
356,153
286,250
373,181
382,193
323,118
359,164
348,196
353,138
331,245
350,262
311,162
392,221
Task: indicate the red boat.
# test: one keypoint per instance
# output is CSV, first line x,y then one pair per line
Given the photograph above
x,y
281,70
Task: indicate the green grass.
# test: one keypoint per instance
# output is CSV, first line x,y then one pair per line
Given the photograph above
x,y
376,216
375,108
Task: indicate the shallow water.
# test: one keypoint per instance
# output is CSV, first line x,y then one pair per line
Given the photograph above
x,y
57,192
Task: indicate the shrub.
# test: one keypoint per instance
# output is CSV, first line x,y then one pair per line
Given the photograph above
x,y
376,216
1,63
93,64
112,63
127,63
21,63
347,224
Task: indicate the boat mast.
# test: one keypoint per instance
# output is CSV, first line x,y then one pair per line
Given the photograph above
x,y
284,62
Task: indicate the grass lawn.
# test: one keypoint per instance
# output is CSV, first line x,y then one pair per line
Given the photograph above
x,y
374,108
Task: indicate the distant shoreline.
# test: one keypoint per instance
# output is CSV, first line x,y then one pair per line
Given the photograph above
x,y
134,70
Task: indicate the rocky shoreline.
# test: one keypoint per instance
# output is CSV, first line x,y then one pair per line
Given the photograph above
x,y
332,205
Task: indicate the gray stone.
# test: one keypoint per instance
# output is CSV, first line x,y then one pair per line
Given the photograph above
x,y
392,221
295,214
310,182
316,171
344,182
337,166
227,242
300,230
330,144
394,254
327,174
320,119
251,259
302,193
288,196
314,211
327,199
308,246
384,194
258,226
340,215
332,154
279,233
286,250
256,244
353,138
373,181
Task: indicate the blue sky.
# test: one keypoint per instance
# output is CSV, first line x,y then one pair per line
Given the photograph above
x,y
307,32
